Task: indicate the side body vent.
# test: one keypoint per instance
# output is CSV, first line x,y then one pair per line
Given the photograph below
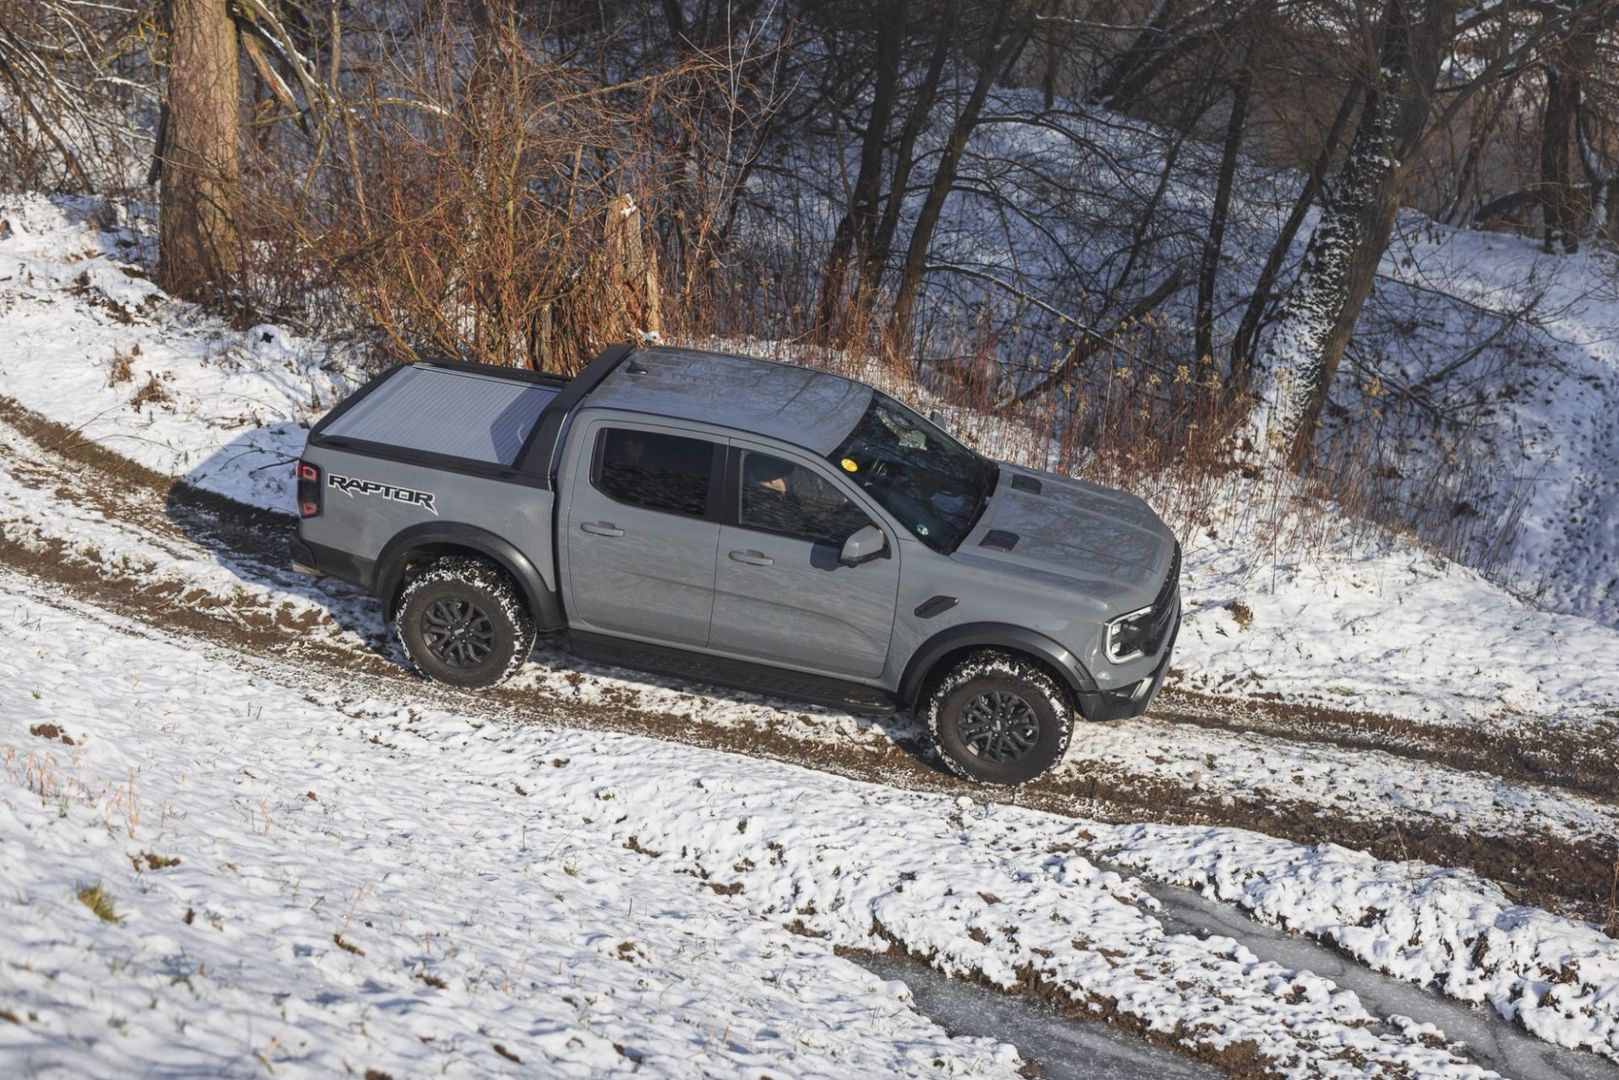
x,y
999,539
1026,483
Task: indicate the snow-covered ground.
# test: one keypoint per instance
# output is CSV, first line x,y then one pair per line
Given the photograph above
x,y
316,882
313,890
90,342
377,884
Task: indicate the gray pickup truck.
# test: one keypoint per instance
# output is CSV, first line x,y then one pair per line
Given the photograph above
x,y
748,524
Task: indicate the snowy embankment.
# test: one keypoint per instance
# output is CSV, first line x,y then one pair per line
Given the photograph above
x,y
418,824
91,343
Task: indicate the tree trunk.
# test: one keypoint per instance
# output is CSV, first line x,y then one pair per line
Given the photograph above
x,y
1341,259
1599,177
632,272
198,247
1003,43
1557,212
1209,272
899,183
1138,55
856,231
1247,336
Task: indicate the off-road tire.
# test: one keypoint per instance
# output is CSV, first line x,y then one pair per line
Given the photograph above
x,y
497,633
1046,719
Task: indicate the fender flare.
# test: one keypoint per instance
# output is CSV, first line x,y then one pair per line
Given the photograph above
x,y
926,659
543,603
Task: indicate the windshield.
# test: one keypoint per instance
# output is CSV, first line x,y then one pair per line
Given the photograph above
x,y
932,484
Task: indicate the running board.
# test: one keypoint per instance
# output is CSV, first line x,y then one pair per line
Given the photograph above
x,y
732,674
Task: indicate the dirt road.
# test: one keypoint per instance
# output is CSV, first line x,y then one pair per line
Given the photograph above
x,y
1529,804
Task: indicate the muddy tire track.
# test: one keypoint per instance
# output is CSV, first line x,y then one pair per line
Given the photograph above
x,y
1535,867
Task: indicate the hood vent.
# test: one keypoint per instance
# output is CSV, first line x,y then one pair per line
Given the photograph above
x,y
1026,483
999,539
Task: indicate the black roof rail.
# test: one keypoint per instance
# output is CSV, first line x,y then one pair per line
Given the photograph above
x,y
538,456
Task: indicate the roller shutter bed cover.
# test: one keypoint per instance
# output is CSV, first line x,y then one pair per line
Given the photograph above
x,y
460,414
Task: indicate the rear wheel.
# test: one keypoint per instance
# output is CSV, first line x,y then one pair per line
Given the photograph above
x,y
463,623
999,719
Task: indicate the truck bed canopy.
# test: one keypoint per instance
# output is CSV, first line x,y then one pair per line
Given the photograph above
x,y
448,410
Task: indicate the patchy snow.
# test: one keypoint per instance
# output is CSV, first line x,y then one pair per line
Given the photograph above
x,y
364,884
1375,624
1446,928
91,343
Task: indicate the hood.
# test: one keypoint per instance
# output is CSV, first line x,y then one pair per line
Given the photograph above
x,y
1103,542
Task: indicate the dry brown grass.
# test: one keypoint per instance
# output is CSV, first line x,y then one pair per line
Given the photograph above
x,y
481,198
123,366
150,393
98,900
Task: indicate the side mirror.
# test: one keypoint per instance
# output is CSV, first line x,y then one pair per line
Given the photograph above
x,y
867,544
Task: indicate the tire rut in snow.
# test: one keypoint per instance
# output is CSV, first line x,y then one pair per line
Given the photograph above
x,y
1540,868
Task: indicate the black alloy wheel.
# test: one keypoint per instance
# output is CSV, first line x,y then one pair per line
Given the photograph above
x,y
464,623
458,632
999,718
999,727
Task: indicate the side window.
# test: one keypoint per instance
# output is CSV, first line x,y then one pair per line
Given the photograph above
x,y
779,496
655,471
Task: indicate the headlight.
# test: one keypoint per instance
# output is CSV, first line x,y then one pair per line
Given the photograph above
x,y
1127,636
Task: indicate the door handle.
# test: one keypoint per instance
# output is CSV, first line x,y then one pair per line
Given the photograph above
x,y
752,558
602,528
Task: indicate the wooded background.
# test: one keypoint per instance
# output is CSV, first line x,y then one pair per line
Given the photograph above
x,y
1148,228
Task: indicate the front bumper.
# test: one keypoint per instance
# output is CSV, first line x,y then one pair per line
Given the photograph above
x,y
1106,705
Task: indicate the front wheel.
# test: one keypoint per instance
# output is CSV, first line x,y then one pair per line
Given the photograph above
x,y
999,719
463,623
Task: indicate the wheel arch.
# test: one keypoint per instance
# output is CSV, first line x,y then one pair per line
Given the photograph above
x,y
942,650
438,539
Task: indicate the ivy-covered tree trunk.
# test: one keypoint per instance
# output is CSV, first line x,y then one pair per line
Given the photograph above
x,y
1301,358
198,245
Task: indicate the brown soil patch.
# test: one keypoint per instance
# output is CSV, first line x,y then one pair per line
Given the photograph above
x,y
1575,756
1534,867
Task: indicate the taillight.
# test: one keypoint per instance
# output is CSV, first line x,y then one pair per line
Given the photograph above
x,y
308,489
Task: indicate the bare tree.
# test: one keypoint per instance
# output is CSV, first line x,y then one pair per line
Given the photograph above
x,y
856,232
65,96
198,245
1005,36
1208,272
1398,122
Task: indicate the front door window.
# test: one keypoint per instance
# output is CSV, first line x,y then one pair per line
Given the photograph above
x,y
782,497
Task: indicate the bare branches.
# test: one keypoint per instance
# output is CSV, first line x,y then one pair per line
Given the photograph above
x,y
63,98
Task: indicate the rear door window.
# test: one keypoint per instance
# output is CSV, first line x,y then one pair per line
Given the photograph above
x,y
672,474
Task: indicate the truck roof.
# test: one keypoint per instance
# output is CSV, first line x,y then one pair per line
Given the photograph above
x,y
812,409
508,424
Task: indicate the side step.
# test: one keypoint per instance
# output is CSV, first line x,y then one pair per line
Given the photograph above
x,y
733,674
